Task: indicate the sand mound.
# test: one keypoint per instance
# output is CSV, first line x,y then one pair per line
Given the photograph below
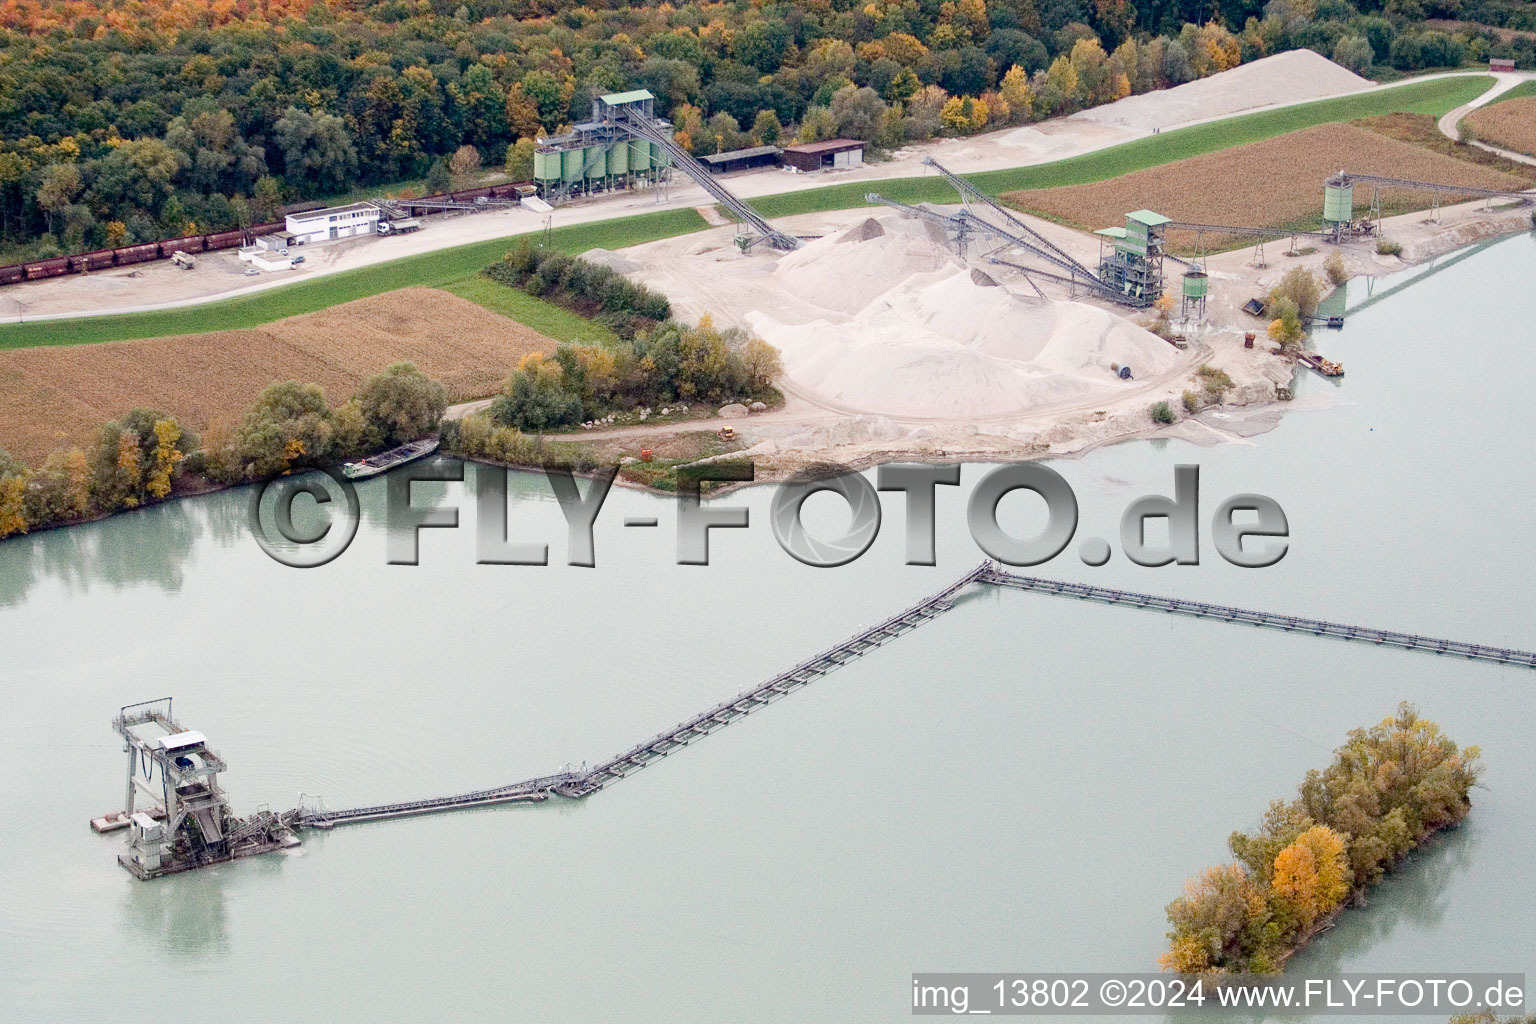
x,y
862,232
844,273
1285,77
910,330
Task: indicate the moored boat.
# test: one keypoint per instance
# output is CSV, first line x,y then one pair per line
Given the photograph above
x,y
383,462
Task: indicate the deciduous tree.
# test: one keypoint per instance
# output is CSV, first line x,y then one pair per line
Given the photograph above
x,y
402,403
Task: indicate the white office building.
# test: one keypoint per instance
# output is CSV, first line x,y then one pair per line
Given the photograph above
x,y
333,222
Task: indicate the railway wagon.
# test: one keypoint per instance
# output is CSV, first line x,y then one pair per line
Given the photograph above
x,y
191,243
136,253
55,267
98,260
276,227
225,239
12,274
469,195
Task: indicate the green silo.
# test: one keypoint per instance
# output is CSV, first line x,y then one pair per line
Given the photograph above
x,y
1338,201
659,156
546,165
595,162
618,158
571,161
639,154
1196,284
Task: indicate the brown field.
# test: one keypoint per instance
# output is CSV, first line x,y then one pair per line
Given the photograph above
x,y
1274,183
59,395
1510,124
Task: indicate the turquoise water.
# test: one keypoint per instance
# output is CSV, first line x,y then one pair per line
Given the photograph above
x,y
1021,785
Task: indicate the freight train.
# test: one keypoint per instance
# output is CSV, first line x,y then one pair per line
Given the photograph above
x,y
127,254
143,252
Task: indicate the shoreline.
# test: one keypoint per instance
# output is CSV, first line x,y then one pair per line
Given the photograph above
x,y
1255,415
813,428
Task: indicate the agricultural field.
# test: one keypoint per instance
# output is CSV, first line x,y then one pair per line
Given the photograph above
x,y
1274,183
1432,98
1511,125
57,395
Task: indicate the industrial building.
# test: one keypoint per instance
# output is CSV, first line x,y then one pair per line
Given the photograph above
x,y
333,222
625,145
814,156
741,159
1134,264
601,154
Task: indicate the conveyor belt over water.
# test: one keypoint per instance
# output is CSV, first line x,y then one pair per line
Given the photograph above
x,y
578,784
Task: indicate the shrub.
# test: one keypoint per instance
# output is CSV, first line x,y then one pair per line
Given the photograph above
x,y
1191,401
536,397
1217,382
1162,412
1334,267
1385,247
590,289
1301,287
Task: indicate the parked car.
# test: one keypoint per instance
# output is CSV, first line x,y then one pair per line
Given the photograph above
x,y
282,252
251,272
297,260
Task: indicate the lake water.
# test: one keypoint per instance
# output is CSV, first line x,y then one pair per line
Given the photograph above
x,y
1022,784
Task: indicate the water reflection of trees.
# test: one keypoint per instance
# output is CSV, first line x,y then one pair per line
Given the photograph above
x,y
1417,895
150,546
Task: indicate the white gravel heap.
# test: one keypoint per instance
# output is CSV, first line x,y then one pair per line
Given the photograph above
x,y
1292,76
909,330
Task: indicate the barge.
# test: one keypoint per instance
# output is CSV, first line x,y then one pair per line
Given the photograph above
x,y
383,462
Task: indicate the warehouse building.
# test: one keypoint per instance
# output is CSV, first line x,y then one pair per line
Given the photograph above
x,y
332,222
741,159
813,156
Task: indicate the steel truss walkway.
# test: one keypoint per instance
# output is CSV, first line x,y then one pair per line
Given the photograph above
x,y
578,784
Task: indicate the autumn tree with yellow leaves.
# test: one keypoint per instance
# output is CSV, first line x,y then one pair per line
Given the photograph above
x,y
1388,790
14,476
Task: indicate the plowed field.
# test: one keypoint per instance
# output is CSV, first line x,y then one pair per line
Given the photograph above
x,y
56,395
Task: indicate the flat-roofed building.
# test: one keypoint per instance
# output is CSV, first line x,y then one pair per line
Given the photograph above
x,y
333,222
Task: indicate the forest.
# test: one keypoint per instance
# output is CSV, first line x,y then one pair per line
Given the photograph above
x,y
133,120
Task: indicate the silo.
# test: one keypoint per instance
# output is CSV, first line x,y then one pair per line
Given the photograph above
x,y
1338,200
618,158
595,162
571,161
1195,285
546,165
639,154
659,156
